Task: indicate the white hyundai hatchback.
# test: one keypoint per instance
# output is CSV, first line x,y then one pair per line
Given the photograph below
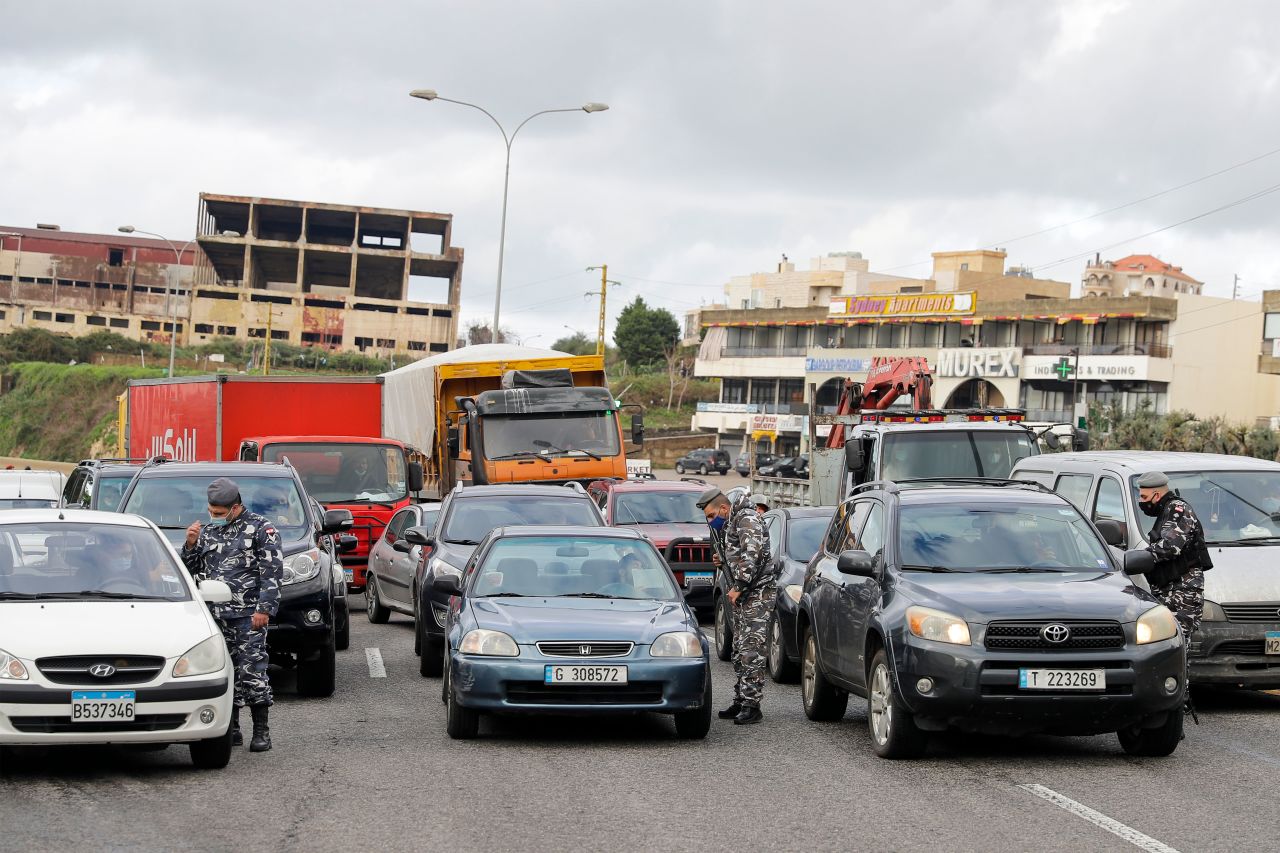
x,y
105,638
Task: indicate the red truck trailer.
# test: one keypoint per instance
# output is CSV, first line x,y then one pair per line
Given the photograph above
x,y
329,428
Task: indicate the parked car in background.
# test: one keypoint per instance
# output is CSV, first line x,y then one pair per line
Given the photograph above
x,y
571,620
30,489
393,561
98,652
985,608
787,467
743,463
665,513
467,515
303,632
99,483
704,461
1237,499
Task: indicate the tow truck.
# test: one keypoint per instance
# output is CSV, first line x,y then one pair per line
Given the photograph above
x,y
872,440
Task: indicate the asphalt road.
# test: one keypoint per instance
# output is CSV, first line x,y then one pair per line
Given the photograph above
x,y
372,768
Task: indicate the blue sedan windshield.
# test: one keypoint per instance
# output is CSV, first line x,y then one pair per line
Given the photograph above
x,y
569,566
984,537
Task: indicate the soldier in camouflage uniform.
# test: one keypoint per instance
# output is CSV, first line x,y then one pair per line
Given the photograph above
x,y
241,549
752,591
1177,542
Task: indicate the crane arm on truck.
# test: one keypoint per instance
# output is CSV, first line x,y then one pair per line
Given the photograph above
x,y
888,379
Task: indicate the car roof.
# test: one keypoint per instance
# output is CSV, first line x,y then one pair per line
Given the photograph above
x,y
216,469
652,486
117,468
805,511
1141,461
81,516
985,494
567,530
514,489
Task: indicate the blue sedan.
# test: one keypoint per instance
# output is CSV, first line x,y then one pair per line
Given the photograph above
x,y
571,620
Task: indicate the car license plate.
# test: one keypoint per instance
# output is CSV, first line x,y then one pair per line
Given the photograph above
x,y
1062,679
585,674
1273,642
696,578
92,706
349,575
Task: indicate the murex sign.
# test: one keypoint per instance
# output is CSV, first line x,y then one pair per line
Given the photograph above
x,y
967,362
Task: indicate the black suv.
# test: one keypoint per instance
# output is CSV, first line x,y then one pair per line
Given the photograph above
x,y
467,514
704,461
99,483
304,631
743,463
987,607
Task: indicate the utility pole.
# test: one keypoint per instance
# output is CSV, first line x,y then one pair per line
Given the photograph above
x,y
266,354
604,288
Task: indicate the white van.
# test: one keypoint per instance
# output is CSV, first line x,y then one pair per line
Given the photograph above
x,y
1237,499
30,489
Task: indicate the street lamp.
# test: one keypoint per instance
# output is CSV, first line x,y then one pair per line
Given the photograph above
x,y
173,287
430,95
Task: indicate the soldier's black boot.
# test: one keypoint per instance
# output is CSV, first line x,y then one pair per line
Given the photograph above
x,y
237,737
261,741
732,711
748,716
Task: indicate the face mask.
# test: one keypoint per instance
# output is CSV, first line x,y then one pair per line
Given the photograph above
x,y
119,565
218,522
1150,508
716,523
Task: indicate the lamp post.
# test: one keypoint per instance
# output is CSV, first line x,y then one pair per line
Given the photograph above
x,y
173,285
430,95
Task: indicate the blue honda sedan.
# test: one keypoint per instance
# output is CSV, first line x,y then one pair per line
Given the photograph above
x,y
571,620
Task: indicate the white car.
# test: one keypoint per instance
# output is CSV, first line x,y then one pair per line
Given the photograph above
x,y
105,638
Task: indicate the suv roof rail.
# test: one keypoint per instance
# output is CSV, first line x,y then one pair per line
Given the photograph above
x,y
156,460
978,481
576,486
874,485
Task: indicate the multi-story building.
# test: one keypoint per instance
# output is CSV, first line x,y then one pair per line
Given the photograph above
x,y
1144,275
340,277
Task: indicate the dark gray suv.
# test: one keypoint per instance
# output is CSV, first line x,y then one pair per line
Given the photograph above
x,y
704,461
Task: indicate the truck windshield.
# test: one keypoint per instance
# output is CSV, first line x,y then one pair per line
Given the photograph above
x,y
550,435
954,453
345,473
658,508
1233,506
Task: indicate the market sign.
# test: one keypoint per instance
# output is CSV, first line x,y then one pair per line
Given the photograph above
x,y
843,366
774,424
978,362
905,305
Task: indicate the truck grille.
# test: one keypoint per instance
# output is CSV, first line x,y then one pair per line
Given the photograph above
x,y
1252,612
129,669
1026,635
691,554
585,649
56,725
1240,647
537,693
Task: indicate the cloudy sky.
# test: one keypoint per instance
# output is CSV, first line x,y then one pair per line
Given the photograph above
x,y
737,131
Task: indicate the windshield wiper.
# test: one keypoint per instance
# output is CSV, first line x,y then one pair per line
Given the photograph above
x,y
588,595
101,593
507,595
1008,570
549,446
937,569
462,541
1250,540
522,454
28,596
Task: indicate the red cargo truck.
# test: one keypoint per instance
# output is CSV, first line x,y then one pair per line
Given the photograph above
x,y
329,428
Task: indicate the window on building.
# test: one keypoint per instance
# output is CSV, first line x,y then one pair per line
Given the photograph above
x,y
204,329
1271,326
733,391
95,321
439,347
791,393
417,346
115,257
260,332
763,391
42,315
363,343
279,334
386,343
119,323
964,266
150,326
746,303
228,331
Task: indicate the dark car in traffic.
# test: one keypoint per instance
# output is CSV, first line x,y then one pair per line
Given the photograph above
x,y
99,483
467,515
393,561
303,633
990,607
704,461
787,467
571,620
744,462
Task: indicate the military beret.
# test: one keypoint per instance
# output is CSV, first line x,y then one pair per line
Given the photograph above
x,y
759,500
708,496
1153,480
224,492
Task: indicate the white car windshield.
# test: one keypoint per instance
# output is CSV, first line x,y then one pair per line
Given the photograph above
x,y
573,567
86,561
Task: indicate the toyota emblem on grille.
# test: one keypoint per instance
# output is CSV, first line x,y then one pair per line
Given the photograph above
x,y
102,670
1055,633
584,650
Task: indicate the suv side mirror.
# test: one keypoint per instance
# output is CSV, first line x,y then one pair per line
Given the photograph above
x,y
855,458
337,521
1081,439
637,429
449,584
855,563
1138,562
418,536
347,543
1051,439
1113,532
416,477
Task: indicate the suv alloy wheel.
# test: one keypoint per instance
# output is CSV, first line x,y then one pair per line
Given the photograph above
x,y
893,730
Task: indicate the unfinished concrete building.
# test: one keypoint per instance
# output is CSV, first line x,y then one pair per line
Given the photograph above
x,y
337,276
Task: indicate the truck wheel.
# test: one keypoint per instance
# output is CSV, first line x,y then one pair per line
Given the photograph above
x,y
1154,743
374,608
724,629
342,636
894,733
823,701
460,723
694,724
781,669
213,753
431,664
317,677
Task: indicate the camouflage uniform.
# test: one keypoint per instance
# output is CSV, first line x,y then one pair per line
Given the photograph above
x,y
245,555
1177,542
752,573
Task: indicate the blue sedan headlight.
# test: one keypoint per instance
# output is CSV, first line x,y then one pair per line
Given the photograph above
x,y
490,643
678,644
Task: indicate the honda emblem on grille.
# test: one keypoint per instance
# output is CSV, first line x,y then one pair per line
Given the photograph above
x,y
1055,633
102,670
584,650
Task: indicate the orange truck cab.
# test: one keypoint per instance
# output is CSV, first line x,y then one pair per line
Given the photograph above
x,y
374,478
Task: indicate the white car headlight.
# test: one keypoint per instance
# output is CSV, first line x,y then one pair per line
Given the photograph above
x,y
202,659
929,624
301,567
794,591
489,643
1155,625
11,668
677,644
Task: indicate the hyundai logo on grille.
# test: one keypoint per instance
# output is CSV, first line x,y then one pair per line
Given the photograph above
x,y
1055,633
102,670
585,651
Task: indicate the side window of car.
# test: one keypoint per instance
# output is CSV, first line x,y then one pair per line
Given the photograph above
x,y
85,490
1074,487
852,540
397,525
775,536
873,533
71,492
836,530
1109,502
1044,478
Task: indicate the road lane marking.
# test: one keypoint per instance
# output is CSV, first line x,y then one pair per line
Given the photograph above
x,y
376,668
1098,819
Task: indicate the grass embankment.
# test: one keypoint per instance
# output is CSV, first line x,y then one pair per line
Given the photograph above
x,y
651,390
60,412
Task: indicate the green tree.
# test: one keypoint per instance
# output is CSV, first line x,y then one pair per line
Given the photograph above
x,y
645,335
576,344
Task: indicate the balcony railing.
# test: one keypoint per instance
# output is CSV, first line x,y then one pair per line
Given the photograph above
x,y
763,352
1150,350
